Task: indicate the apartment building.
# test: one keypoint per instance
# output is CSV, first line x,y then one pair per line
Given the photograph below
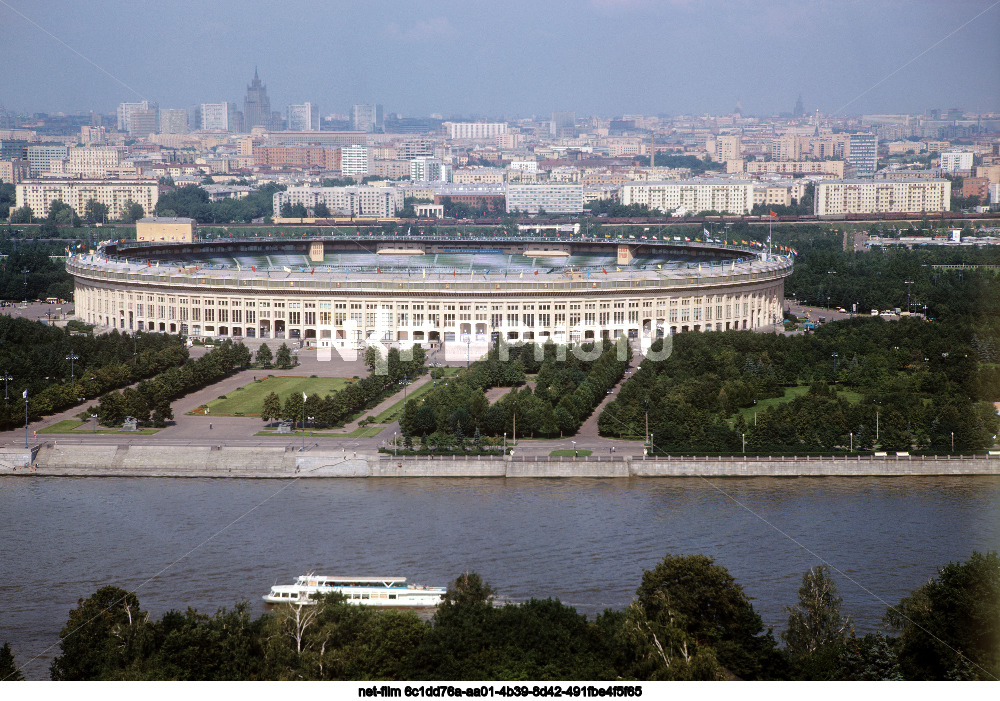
x,y
553,198
836,197
361,201
725,196
115,194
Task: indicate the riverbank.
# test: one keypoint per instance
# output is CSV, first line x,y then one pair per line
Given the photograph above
x,y
283,462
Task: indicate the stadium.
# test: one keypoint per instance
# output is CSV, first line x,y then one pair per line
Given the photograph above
x,y
339,292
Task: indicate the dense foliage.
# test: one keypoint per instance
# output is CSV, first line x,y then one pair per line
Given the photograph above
x,y
36,357
870,383
569,384
193,201
28,272
690,620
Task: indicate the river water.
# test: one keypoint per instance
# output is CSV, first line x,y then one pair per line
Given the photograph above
x,y
209,543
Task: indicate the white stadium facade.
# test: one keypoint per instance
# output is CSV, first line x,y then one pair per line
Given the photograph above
x,y
340,292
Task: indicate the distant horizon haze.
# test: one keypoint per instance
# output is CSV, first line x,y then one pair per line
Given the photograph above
x,y
506,61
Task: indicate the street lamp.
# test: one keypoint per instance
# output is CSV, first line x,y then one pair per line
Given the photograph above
x,y
908,283
513,438
25,271
394,444
135,352
25,419
311,425
303,422
504,442
405,380
72,376
953,442
6,378
834,355
94,417
574,449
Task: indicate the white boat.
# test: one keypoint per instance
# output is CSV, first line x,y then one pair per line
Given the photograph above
x,y
384,592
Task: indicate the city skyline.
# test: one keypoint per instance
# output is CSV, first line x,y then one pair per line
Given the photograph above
x,y
603,57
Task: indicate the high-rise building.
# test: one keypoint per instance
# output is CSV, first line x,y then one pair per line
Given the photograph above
x,y
173,122
144,122
125,110
563,124
863,154
367,118
304,117
218,116
355,160
426,169
256,105
952,161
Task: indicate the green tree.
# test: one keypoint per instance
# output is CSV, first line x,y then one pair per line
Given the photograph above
x,y
271,409
264,357
291,410
95,212
321,210
691,620
104,635
132,212
283,358
22,215
949,627
9,671
816,629
868,659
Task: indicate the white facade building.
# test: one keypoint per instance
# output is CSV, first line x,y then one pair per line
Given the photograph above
x,y
474,130
355,160
304,117
553,198
952,161
425,169
354,200
219,116
835,197
724,196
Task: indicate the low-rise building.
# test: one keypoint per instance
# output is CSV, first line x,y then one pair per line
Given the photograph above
x,y
553,198
724,196
179,229
361,201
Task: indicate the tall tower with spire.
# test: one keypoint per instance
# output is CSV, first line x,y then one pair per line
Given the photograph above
x,y
256,105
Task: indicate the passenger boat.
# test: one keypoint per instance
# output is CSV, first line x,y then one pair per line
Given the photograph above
x,y
383,592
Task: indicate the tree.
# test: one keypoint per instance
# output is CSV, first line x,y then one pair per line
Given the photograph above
x,y
104,635
283,358
868,659
321,210
271,408
95,211
264,357
22,215
9,671
949,627
132,212
816,630
374,359
691,620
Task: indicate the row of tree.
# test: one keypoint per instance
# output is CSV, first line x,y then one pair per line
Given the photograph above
x,y
386,375
568,386
911,383
37,358
690,620
150,399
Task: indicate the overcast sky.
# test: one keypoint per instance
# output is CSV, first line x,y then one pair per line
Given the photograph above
x,y
505,58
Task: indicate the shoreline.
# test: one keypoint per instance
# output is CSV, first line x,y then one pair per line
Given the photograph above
x,y
285,462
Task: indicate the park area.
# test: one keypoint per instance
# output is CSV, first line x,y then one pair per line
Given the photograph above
x,y
248,400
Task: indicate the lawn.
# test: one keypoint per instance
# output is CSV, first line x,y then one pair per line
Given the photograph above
x,y
249,399
569,453
790,394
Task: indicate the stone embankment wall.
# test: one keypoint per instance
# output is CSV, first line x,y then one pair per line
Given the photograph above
x,y
285,462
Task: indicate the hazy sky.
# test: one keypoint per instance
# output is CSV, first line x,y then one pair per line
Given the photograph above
x,y
505,57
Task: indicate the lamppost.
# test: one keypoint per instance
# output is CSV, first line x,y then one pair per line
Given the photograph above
x,y
834,355
25,271
744,437
513,438
908,283
303,422
135,352
72,376
468,349
504,442
311,425
394,444
94,417
574,449
25,419
953,442
405,380
6,378
646,400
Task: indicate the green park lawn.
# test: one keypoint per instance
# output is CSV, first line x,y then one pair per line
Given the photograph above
x,y
249,399
569,453
790,394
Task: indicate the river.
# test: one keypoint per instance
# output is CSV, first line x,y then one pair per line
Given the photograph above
x,y
209,543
